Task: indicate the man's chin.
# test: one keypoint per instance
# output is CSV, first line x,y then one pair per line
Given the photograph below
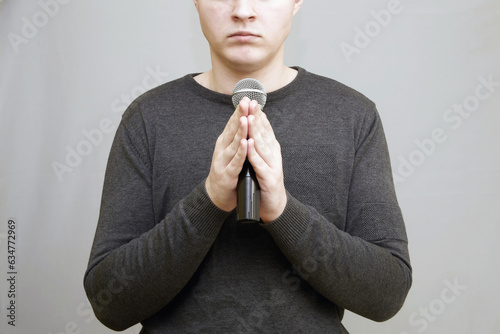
x,y
247,64
244,55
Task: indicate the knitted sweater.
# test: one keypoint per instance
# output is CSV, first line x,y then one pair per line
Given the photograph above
x,y
166,256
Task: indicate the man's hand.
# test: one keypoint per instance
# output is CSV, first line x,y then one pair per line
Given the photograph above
x,y
227,161
264,154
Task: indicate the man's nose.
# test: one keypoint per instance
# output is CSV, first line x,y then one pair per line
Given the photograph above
x,y
244,10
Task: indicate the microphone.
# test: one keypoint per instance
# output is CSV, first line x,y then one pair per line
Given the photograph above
x,y
248,190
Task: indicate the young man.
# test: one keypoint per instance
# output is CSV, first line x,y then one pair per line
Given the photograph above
x,y
168,251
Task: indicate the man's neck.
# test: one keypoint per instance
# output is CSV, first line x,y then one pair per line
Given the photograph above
x,y
222,79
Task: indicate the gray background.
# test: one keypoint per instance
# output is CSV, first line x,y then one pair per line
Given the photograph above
x,y
68,68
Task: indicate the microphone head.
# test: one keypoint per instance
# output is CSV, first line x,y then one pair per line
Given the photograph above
x,y
250,88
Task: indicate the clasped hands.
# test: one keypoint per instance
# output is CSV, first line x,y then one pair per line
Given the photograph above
x,y
248,134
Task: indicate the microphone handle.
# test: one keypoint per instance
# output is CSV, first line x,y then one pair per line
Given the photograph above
x,y
248,195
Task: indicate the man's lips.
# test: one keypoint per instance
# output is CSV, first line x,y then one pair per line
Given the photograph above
x,y
243,34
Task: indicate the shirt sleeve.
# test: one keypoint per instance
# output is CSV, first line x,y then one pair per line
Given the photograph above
x,y
365,267
137,265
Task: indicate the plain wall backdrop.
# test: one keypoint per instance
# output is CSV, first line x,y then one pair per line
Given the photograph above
x,y
69,68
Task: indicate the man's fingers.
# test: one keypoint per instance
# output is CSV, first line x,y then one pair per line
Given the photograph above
x,y
255,158
233,125
263,135
236,163
229,155
234,146
254,108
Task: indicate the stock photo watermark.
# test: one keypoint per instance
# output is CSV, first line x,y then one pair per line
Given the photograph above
x,y
12,242
453,117
363,37
104,297
424,316
31,26
292,279
93,138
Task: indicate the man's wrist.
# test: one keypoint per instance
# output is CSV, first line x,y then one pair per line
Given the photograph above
x,y
277,211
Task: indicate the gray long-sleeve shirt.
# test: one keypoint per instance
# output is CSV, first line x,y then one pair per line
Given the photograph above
x,y
166,256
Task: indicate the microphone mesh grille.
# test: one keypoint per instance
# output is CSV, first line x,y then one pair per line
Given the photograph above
x,y
250,88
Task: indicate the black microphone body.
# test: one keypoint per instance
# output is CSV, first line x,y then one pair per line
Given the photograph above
x,y
248,195
248,190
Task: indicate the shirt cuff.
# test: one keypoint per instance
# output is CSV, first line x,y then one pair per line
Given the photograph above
x,y
289,228
202,212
